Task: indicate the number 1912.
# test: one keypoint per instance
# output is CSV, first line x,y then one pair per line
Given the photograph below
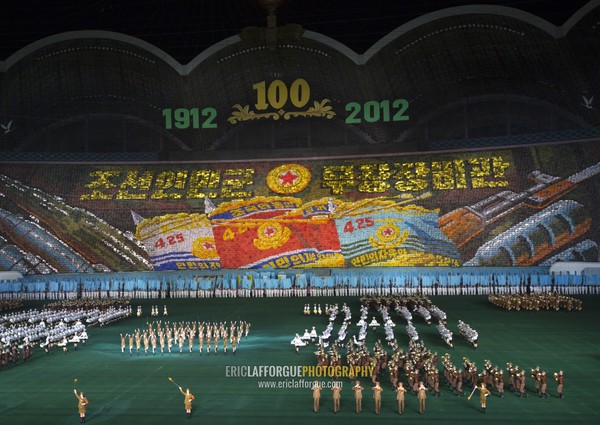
x,y
182,118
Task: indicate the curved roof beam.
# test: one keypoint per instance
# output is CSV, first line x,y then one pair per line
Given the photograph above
x,y
484,9
73,35
510,12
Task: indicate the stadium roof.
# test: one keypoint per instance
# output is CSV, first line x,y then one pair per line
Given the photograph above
x,y
185,28
105,76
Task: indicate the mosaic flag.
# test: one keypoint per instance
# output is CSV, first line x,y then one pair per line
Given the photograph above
x,y
179,242
380,232
278,243
257,237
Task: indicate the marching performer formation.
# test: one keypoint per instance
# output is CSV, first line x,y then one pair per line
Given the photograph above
x,y
181,336
418,367
415,371
544,301
56,325
11,304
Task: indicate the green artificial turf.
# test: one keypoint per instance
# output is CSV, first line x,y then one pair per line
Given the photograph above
x,y
132,390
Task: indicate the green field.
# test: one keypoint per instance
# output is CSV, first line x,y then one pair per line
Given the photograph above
x,y
124,389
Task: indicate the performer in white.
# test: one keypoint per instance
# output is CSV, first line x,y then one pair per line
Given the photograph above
x,y
297,343
313,335
306,336
374,323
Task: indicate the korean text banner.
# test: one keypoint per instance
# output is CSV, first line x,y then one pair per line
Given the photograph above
x,y
512,207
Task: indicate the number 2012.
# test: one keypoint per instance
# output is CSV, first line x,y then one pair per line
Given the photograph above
x,y
373,111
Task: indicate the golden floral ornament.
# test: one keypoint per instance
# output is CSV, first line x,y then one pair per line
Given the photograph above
x,y
320,109
205,248
288,178
388,235
270,235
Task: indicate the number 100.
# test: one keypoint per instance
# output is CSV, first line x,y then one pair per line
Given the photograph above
x,y
277,94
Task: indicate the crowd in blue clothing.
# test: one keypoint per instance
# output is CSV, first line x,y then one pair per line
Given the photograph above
x,y
275,283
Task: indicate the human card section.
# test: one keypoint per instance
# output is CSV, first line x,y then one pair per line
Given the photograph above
x,y
383,232
522,206
179,242
279,243
320,233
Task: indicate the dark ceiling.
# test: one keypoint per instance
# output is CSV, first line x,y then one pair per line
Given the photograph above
x,y
184,28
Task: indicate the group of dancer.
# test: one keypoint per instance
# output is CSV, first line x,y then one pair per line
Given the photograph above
x,y
404,306
11,304
418,367
181,336
543,301
154,311
61,324
493,378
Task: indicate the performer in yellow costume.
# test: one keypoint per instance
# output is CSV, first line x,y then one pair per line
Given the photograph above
x,y
81,405
187,401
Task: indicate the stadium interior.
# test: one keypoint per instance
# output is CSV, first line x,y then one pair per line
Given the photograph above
x,y
182,166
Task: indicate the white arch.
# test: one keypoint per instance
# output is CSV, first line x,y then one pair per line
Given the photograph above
x,y
73,35
509,12
504,11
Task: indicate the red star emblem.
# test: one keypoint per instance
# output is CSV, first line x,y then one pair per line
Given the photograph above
x,y
288,178
208,246
388,232
269,231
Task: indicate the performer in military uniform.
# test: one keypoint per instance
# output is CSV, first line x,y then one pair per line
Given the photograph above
x,y
187,401
26,351
234,342
316,389
560,380
422,395
336,397
138,341
511,377
153,342
81,405
499,381
459,382
146,339
520,378
357,388
225,340
377,396
544,384
536,374
400,390
162,339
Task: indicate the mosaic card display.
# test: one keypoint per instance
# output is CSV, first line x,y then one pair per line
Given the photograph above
x,y
512,207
